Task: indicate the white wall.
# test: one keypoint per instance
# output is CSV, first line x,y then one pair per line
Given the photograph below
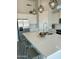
x,y
47,16
30,17
53,17
43,20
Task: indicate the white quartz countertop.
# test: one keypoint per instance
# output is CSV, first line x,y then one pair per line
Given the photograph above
x,y
45,45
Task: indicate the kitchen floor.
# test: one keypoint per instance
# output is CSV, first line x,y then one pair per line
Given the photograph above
x,y
24,51
21,52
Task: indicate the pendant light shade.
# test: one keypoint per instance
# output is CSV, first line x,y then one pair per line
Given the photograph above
x,y
41,9
53,4
34,12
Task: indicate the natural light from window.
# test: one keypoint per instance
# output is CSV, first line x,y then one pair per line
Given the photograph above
x,y
56,55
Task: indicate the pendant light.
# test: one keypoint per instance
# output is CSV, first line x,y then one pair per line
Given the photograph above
x,y
34,10
53,4
41,8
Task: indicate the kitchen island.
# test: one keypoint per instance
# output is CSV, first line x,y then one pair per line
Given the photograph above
x,y
45,45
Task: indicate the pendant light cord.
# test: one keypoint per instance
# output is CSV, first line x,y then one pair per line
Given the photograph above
x,y
33,4
40,2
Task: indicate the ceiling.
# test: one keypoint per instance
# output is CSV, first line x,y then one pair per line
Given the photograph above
x,y
24,6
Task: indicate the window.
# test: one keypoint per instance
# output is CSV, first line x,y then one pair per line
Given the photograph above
x,y
23,23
